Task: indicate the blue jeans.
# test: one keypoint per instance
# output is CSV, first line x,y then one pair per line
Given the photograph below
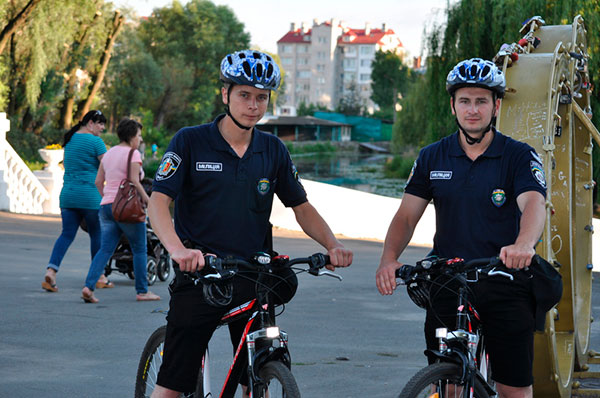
x,y
71,218
111,234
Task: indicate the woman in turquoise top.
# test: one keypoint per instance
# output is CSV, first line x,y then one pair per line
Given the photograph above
x,y
79,198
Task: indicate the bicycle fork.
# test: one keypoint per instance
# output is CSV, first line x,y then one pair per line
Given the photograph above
x,y
272,345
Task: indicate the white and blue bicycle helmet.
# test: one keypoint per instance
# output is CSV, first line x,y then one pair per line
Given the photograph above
x,y
476,72
251,68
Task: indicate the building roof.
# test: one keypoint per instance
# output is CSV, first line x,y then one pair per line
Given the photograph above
x,y
299,121
359,36
296,36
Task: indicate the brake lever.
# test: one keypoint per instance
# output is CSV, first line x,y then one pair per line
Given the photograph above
x,y
500,273
329,273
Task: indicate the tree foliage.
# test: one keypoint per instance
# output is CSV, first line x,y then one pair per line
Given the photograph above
x,y
163,69
390,78
351,103
188,43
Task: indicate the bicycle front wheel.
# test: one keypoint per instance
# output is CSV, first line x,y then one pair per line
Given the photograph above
x,y
279,382
150,362
439,380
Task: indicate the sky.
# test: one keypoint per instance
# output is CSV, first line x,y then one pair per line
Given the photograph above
x,y
268,20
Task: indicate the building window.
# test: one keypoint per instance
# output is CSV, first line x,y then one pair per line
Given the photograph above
x,y
350,51
322,39
367,50
306,38
349,63
365,77
303,74
286,48
286,61
302,61
349,76
321,80
302,49
320,67
365,63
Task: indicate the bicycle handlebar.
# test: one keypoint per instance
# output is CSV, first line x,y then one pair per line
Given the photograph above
x,y
216,268
437,266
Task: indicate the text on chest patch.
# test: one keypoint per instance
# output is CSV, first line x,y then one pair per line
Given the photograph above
x,y
440,175
209,166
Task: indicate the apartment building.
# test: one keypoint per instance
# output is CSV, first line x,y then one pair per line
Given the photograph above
x,y
325,61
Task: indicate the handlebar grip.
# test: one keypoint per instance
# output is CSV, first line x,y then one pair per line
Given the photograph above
x,y
405,272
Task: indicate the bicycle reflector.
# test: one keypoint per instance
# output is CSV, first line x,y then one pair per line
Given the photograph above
x,y
418,293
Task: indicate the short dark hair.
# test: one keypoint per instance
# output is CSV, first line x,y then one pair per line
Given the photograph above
x,y
127,129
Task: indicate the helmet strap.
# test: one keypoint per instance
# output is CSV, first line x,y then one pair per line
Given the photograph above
x,y
235,121
228,112
470,140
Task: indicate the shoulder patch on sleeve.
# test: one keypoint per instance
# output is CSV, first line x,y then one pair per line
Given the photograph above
x,y
168,166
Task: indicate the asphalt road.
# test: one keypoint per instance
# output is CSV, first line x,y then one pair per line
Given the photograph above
x,y
346,340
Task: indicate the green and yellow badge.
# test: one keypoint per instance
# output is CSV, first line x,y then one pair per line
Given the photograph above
x,y
263,186
498,197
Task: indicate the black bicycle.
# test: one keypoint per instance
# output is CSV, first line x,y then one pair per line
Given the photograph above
x,y
462,367
268,363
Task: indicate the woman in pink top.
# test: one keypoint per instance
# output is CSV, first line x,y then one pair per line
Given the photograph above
x,y
112,170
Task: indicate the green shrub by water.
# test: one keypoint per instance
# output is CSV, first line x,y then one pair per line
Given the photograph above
x,y
319,147
398,167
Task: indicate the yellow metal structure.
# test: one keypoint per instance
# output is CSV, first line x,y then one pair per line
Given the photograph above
x,y
547,105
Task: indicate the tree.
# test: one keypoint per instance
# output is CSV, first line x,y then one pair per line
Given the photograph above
x,y
390,78
351,103
16,23
188,42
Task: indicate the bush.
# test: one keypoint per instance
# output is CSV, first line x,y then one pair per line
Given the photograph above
x,y
319,147
150,166
398,167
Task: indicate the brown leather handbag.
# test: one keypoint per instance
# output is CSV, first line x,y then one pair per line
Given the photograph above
x,y
128,206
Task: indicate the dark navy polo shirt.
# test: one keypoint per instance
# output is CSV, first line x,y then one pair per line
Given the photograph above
x,y
475,201
223,202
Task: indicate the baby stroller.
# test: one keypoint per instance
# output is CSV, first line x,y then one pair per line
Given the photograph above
x,y
158,261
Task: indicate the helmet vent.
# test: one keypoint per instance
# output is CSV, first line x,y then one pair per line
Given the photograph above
x,y
259,70
247,68
485,71
269,71
242,55
269,59
230,60
256,55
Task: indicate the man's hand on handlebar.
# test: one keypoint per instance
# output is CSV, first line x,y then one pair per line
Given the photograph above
x,y
517,255
339,257
385,277
189,260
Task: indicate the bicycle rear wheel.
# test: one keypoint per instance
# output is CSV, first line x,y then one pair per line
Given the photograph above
x,y
439,380
279,382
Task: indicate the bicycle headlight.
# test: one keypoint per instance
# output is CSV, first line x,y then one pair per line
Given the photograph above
x,y
273,332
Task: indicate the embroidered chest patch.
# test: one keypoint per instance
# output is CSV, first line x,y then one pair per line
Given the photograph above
x,y
498,197
263,186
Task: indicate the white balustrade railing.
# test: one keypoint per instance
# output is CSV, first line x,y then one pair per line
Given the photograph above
x,y
20,190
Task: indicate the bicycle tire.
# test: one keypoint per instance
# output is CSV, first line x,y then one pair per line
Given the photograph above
x,y
280,382
150,362
420,385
